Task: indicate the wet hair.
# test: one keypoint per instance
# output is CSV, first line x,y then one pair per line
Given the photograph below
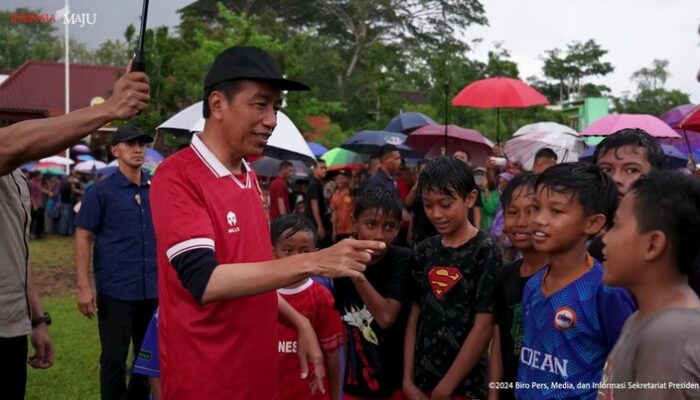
x,y
547,153
289,225
594,190
229,88
386,150
670,202
633,137
447,176
378,198
284,164
524,180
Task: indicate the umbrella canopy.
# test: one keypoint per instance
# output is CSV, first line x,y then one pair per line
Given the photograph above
x,y
428,140
153,156
89,166
369,143
691,121
527,140
674,158
407,122
57,160
499,92
317,149
81,148
84,157
268,166
340,158
286,141
50,168
614,122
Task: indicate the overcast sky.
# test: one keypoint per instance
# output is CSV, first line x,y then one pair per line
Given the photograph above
x,y
634,31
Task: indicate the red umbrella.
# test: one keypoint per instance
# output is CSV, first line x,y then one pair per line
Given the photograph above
x,y
424,140
691,122
497,93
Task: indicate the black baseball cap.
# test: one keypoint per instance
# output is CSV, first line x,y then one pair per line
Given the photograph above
x,y
249,63
127,133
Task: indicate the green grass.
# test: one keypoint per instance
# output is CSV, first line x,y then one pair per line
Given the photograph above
x,y
75,373
52,252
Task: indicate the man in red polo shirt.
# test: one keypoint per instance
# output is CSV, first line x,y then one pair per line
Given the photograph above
x,y
279,191
218,308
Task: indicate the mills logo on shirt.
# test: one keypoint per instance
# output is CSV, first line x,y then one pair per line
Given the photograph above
x,y
232,221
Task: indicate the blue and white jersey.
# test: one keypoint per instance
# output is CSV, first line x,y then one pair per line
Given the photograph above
x,y
568,335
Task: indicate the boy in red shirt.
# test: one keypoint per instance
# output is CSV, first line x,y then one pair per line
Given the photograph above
x,y
294,234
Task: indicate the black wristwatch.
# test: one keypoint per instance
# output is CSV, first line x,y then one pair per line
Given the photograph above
x,y
42,319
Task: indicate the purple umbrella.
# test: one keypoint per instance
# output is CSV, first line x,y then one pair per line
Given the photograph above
x,y
429,140
690,140
614,122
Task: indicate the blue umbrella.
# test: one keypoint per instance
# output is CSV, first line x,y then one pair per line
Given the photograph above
x,y
674,158
369,142
407,122
317,149
85,157
28,166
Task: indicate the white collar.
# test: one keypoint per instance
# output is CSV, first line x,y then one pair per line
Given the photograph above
x,y
215,165
297,289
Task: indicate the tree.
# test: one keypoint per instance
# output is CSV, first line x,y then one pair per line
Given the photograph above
x,y
567,71
26,41
651,97
499,63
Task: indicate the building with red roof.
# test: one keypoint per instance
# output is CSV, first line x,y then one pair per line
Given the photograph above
x,y
37,89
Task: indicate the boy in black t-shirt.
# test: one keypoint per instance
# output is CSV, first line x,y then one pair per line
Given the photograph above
x,y
372,309
517,201
450,322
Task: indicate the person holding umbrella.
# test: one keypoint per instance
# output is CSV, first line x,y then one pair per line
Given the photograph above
x,y
217,278
21,312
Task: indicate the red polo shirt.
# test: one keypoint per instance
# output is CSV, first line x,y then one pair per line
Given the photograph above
x,y
227,349
278,190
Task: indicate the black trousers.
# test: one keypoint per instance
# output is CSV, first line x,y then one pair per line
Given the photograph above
x,y
121,322
13,367
38,226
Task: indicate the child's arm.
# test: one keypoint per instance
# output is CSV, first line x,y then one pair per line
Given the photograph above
x,y
409,350
474,345
307,343
155,388
334,378
383,309
495,363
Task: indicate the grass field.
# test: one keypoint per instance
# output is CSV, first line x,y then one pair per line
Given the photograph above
x,y
75,374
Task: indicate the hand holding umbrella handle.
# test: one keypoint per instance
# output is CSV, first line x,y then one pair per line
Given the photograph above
x,y
139,62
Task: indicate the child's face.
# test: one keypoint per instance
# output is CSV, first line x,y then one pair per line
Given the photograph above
x,y
375,224
625,165
299,243
559,222
517,215
622,246
447,213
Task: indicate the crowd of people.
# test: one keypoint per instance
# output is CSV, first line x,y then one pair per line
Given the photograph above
x,y
444,281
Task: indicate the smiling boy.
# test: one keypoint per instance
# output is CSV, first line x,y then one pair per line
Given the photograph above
x,y
570,319
450,324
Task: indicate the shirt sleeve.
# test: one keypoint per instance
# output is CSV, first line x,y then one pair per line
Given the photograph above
x,y
326,321
90,215
614,307
179,215
400,281
489,259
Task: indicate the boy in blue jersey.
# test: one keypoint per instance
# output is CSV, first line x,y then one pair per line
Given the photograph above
x,y
570,319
